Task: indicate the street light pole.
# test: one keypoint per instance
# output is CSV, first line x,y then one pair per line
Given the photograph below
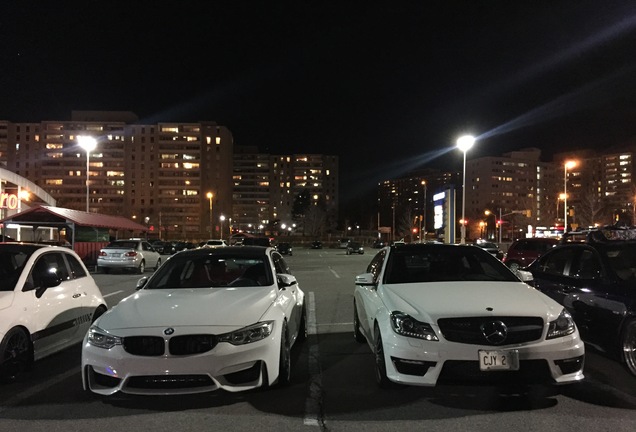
x,y
210,195
222,220
566,166
423,219
500,224
464,143
89,144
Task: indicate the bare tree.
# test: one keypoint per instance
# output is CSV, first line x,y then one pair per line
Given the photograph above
x,y
590,210
315,221
404,223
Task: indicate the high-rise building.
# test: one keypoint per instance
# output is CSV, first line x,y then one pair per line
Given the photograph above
x,y
266,187
157,174
183,180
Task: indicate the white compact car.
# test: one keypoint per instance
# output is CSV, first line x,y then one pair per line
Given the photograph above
x,y
48,300
208,319
435,311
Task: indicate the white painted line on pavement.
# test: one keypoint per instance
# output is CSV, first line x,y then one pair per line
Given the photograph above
x,y
313,415
113,293
334,273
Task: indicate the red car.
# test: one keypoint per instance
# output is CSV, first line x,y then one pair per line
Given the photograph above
x,y
523,252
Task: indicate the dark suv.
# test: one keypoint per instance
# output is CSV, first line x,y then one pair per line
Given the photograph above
x,y
593,274
522,252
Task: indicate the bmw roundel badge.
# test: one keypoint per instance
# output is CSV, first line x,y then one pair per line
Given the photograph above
x,y
168,331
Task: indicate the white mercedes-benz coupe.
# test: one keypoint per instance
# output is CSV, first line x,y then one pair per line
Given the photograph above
x,y
210,318
440,311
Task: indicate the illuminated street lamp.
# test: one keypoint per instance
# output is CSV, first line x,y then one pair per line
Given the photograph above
x,y
222,218
89,144
464,143
488,213
568,165
210,195
423,218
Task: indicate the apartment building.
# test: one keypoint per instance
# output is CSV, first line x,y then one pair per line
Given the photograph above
x,y
517,186
266,186
600,186
517,194
157,174
182,180
407,202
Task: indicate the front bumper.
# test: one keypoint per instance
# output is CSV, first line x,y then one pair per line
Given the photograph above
x,y
416,362
228,367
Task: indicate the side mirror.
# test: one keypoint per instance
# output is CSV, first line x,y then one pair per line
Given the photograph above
x,y
365,279
141,283
48,279
286,280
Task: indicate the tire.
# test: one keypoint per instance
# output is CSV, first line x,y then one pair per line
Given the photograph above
x,y
158,264
357,334
284,360
380,363
16,354
628,345
98,312
142,267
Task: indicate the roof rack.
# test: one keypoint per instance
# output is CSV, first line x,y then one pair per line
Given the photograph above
x,y
608,233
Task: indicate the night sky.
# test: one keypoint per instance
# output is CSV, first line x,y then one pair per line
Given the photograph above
x,y
387,86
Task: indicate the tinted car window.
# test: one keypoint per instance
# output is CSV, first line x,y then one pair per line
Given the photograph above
x,y
588,266
376,264
76,268
556,263
11,266
280,264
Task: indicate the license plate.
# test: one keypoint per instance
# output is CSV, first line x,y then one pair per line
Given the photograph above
x,y
498,360
115,255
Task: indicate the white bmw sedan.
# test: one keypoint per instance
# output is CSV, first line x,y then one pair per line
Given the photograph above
x,y
433,311
211,318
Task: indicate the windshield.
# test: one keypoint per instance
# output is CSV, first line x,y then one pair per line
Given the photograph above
x,y
207,271
122,245
435,263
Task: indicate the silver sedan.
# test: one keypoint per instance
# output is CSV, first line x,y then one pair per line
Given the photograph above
x,y
132,254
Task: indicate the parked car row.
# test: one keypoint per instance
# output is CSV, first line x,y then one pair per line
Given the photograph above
x,y
429,312
52,302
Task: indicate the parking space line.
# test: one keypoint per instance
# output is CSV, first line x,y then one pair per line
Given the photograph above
x,y
113,293
313,414
334,273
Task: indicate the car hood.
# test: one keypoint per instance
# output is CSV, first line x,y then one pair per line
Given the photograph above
x,y
232,307
431,301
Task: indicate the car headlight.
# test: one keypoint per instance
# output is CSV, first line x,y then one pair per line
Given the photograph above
x,y
101,339
249,334
405,325
562,326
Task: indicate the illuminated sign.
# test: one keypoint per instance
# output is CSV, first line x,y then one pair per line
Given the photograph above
x,y
9,201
